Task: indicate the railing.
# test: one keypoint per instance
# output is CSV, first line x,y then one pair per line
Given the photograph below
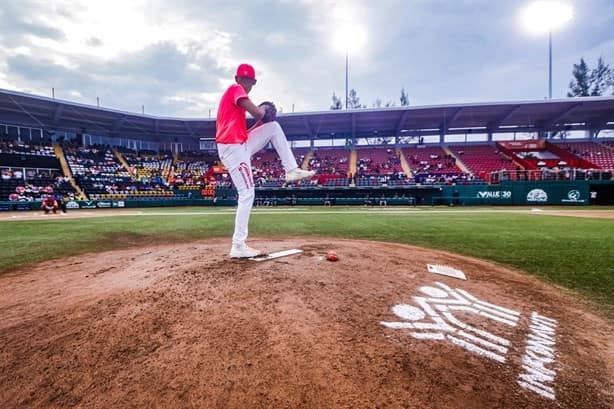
x,y
550,175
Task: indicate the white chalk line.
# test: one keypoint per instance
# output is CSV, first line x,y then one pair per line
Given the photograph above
x,y
255,211
484,334
475,349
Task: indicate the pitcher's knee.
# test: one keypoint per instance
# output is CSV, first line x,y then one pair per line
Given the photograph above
x,y
273,125
247,195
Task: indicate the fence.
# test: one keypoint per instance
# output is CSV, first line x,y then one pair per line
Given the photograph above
x,y
550,175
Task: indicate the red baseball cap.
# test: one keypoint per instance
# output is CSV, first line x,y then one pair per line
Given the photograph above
x,y
246,70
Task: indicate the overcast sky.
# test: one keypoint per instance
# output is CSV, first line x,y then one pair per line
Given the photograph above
x,y
177,57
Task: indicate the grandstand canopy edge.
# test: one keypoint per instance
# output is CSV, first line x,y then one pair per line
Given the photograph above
x,y
589,114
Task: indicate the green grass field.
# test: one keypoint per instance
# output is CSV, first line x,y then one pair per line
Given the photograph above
x,y
573,252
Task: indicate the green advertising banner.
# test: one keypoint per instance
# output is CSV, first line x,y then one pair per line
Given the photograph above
x,y
517,193
553,193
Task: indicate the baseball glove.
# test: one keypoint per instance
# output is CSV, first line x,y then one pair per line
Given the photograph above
x,y
270,113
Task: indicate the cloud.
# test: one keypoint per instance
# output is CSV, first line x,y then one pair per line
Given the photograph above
x,y
151,76
170,73
37,30
94,42
275,39
177,58
18,23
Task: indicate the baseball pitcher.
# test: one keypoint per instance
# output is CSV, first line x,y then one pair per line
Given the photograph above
x,y
236,145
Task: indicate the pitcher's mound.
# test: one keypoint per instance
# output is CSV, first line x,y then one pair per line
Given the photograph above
x,y
184,326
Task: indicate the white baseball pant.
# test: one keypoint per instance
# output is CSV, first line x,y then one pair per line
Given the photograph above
x,y
237,158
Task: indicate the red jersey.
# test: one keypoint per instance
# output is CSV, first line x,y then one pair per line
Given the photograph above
x,y
231,124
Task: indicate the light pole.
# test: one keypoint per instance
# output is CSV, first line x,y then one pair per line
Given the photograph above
x,y
550,64
348,39
546,16
346,77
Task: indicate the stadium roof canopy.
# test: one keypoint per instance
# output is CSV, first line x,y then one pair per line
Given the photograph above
x,y
588,113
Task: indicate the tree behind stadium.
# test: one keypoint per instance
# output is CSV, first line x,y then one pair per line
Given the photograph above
x,y
404,98
336,102
586,82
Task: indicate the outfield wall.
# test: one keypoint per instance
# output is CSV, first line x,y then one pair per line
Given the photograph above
x,y
531,193
519,193
505,193
113,204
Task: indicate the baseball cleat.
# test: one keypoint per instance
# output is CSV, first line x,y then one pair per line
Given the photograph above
x,y
299,174
243,251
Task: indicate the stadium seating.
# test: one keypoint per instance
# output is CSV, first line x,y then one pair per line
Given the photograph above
x,y
187,173
300,154
430,159
431,164
96,169
33,185
379,167
337,182
329,164
23,149
330,161
149,168
377,161
101,175
481,160
600,155
36,175
147,174
267,169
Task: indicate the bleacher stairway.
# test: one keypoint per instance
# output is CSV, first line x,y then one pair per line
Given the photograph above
x,y
353,160
121,160
59,152
308,156
404,164
459,162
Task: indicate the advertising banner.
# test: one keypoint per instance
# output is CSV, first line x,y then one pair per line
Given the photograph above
x,y
531,145
71,204
552,193
87,204
519,193
23,206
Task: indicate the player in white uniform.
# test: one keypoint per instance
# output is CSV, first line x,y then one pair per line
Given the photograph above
x,y
236,145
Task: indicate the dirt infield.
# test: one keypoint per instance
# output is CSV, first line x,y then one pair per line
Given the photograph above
x,y
184,326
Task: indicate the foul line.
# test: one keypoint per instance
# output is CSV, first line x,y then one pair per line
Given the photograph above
x,y
21,216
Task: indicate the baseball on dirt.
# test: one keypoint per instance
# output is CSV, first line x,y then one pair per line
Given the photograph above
x,y
332,256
